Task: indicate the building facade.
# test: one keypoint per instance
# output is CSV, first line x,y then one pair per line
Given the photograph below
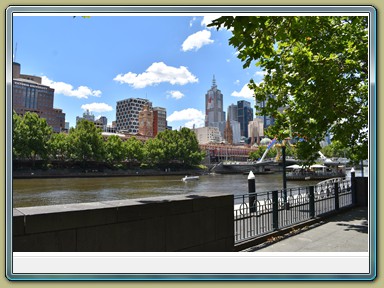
x,y
232,112
127,114
214,105
235,126
29,95
159,120
267,120
146,121
244,115
256,130
207,135
86,116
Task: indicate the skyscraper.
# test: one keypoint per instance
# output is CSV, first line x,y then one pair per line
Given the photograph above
x,y
214,105
232,112
28,94
244,115
267,120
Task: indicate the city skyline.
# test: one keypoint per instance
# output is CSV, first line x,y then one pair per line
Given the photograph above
x,y
92,63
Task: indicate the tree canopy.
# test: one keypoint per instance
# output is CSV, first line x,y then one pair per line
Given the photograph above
x,y
34,140
315,76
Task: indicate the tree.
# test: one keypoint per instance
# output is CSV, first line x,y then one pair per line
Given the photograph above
x,y
58,146
153,152
30,137
335,149
315,76
114,150
134,150
189,151
86,142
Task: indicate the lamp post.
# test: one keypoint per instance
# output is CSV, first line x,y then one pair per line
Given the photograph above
x,y
286,205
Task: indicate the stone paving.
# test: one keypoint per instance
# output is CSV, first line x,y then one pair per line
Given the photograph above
x,y
346,232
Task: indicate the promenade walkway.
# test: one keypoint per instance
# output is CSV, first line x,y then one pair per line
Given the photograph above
x,y
345,232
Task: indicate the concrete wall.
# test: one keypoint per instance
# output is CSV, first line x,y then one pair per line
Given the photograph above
x,y
201,222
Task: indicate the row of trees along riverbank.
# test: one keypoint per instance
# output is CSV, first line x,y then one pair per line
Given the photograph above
x,y
35,143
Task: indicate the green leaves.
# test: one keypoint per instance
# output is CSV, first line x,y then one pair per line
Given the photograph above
x,y
316,70
30,136
86,142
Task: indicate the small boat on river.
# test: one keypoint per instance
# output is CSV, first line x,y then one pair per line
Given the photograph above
x,y
190,178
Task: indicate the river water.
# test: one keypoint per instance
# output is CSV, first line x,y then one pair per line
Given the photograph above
x,y
41,192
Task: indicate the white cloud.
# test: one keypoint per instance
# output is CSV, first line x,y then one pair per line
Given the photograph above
x,y
197,40
244,93
191,22
197,123
208,20
260,73
68,90
175,94
191,115
237,82
157,73
97,107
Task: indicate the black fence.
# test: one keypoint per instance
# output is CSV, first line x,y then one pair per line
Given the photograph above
x,y
257,214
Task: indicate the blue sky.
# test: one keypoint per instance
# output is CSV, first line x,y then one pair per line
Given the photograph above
x,y
94,62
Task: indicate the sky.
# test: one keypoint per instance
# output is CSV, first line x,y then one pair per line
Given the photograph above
x,y
94,62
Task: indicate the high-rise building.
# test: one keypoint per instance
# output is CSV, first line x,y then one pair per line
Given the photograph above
x,y
127,114
232,112
159,120
28,94
244,115
235,126
267,120
214,105
146,121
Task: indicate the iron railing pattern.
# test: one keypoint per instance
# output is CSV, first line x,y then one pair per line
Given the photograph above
x,y
257,214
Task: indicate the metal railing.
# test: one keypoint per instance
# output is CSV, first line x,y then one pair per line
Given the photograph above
x,y
256,214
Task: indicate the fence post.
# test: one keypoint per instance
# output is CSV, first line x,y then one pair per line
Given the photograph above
x,y
353,186
251,192
275,210
337,203
312,201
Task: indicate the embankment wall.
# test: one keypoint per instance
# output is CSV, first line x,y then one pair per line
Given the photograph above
x,y
202,223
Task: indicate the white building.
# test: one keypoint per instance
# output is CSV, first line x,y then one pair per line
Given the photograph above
x,y
256,130
235,125
207,135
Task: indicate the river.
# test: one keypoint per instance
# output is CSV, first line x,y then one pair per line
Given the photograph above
x,y
41,192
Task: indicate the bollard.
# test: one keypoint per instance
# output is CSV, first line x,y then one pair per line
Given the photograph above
x,y
252,192
275,210
312,201
337,200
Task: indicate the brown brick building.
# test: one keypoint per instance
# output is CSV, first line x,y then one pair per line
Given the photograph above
x,y
28,94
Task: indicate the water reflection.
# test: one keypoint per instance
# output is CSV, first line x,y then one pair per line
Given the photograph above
x,y
39,192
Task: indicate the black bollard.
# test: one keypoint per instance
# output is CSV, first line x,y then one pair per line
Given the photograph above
x,y
252,192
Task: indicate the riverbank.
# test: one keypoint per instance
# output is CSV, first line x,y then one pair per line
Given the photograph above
x,y
90,173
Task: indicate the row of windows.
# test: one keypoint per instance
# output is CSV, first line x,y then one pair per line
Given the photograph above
x,y
130,108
